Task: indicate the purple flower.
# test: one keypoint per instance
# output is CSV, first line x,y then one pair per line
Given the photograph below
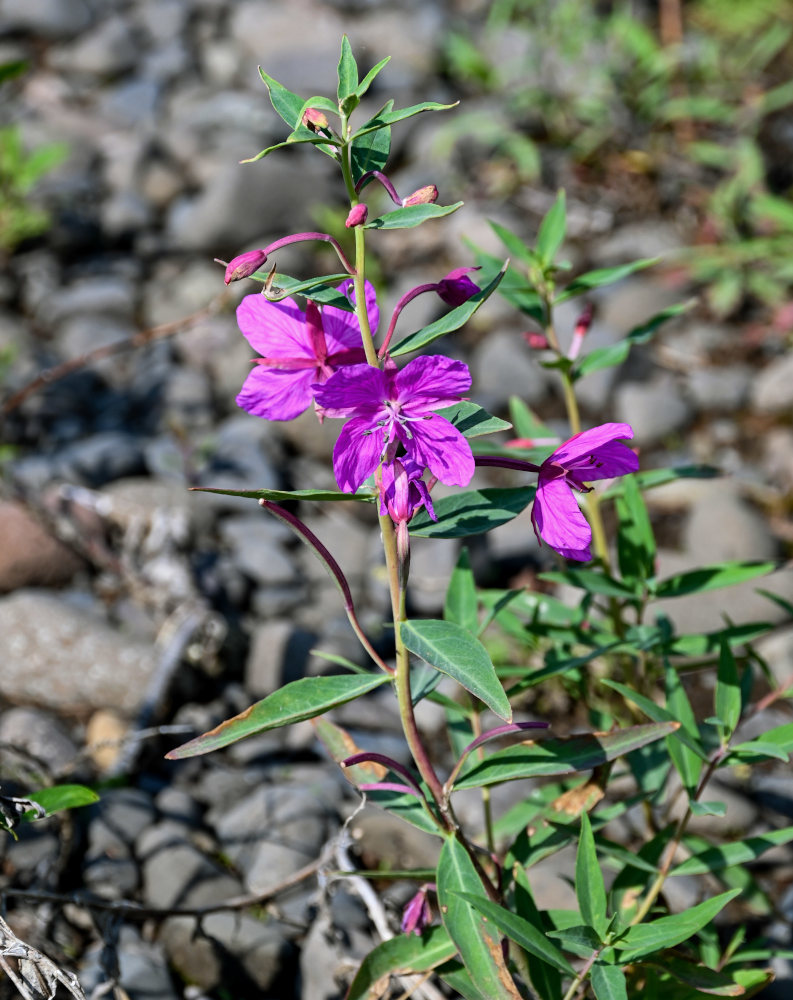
x,y
403,491
300,350
245,265
594,454
417,914
456,287
388,407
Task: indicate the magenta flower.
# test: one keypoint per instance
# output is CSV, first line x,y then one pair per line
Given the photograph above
x,y
417,914
457,287
388,407
403,491
300,350
594,454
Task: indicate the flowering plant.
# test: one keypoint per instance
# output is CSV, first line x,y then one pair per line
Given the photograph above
x,y
408,427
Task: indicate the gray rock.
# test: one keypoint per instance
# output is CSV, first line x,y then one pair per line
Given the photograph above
x,y
58,656
108,295
37,733
256,546
125,212
133,102
648,238
80,334
278,655
771,389
46,18
777,651
721,526
101,458
108,50
188,399
778,457
142,966
654,409
501,366
720,388
178,289
30,555
431,563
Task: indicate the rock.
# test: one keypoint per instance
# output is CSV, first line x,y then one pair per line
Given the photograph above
x,y
777,651
278,654
778,457
724,388
80,334
108,295
101,458
29,555
51,19
132,103
109,867
654,409
39,734
501,366
431,563
109,50
721,526
142,965
256,544
771,389
105,735
59,656
648,238
188,399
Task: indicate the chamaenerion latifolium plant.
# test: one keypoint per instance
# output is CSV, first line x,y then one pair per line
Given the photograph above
x,y
473,924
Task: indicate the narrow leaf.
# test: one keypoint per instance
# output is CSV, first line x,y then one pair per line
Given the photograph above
x,y
658,714
286,104
727,700
602,276
302,699
472,420
60,797
742,852
608,982
461,602
474,935
666,932
513,244
366,83
635,539
391,117
412,215
699,977
472,512
593,581
552,230
371,151
279,496
401,955
453,651
590,889
697,581
347,72
615,354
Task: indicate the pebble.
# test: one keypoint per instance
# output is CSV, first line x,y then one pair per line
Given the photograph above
x,y
502,366
771,388
29,555
655,410
278,654
107,51
51,19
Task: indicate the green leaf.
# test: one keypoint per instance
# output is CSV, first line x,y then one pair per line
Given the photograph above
x,y
461,603
697,581
474,935
348,73
472,420
579,939
666,932
699,977
590,890
727,700
391,117
405,806
301,135
453,651
515,288
412,215
561,756
520,931
286,104
635,539
456,975
708,808
371,151
281,285
366,83
658,714
401,955
513,244
452,321
302,699
472,512
9,70
608,982
615,354
526,423
552,230
687,763
714,859
280,496
603,276
649,478
593,581
60,797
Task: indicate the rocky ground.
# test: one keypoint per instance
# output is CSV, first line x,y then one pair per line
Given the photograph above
x,y
135,613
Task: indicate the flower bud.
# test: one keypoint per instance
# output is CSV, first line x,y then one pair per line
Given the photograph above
x,y
357,216
417,914
536,341
424,196
456,287
245,265
314,119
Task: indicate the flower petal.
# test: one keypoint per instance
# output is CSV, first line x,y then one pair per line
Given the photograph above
x,y
558,519
580,446
275,394
274,329
612,459
342,329
439,446
357,453
358,389
431,382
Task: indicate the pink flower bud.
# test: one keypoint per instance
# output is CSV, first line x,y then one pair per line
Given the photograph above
x,y
536,341
357,216
456,287
424,196
581,327
417,914
314,119
245,265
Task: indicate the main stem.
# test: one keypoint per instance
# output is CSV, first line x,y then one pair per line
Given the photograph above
x,y
395,583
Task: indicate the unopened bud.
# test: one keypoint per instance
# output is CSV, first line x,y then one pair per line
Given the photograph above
x,y
581,327
244,265
417,914
536,341
314,119
457,287
424,196
357,216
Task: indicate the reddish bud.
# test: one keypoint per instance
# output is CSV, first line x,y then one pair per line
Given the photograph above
x,y
457,287
357,216
417,914
424,196
581,327
314,119
536,341
244,265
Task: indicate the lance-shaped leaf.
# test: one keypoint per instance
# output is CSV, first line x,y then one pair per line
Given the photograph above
x,y
647,479
61,797
592,581
366,83
515,287
472,512
286,104
472,420
727,698
454,651
279,496
411,215
562,756
726,574
282,286
699,977
603,276
742,852
347,73
666,932
401,956
460,605
340,745
659,714
615,354
452,321
302,699
635,538
552,230
608,982
475,937
371,151
301,135
590,890
391,117
520,931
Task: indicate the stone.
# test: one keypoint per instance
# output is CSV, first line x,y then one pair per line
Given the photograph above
x,y
108,295
59,656
51,19
721,526
654,409
431,563
725,388
29,555
142,965
278,654
105,735
648,238
131,103
101,458
501,366
778,457
120,816
256,546
771,388
80,334
109,50
39,734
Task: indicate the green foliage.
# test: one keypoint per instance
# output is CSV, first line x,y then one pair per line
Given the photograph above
x,y
20,171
